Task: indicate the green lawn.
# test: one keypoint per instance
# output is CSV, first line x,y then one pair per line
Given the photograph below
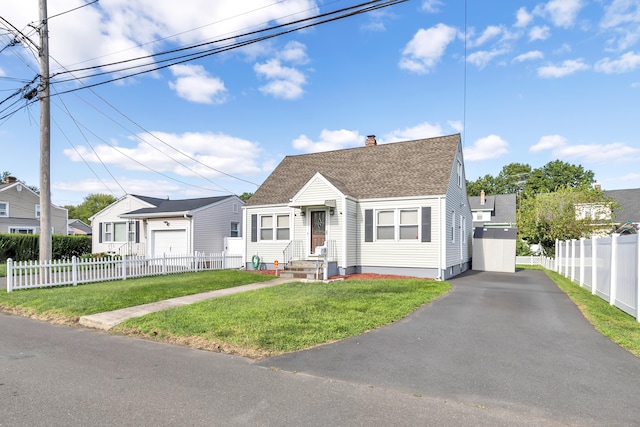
x,y
610,321
288,317
3,270
93,298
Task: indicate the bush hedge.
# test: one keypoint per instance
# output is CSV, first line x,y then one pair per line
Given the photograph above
x,y
26,247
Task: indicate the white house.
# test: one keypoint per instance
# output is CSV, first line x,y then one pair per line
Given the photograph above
x,y
140,225
398,208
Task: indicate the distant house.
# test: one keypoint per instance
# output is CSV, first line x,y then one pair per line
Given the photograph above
x,y
627,215
141,225
20,210
498,210
398,208
77,227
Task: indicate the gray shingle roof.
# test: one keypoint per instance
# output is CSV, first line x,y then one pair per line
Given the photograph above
x,y
174,206
411,168
629,201
503,208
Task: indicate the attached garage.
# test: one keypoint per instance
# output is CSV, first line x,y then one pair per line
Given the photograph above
x,y
169,242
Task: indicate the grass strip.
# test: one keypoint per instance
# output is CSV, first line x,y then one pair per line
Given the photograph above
x,y
288,317
72,302
3,270
609,320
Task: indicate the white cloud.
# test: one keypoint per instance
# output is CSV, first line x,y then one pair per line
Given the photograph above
x,y
2,73
548,142
426,48
482,58
622,18
635,85
423,130
431,6
456,125
117,30
568,67
284,82
329,140
217,151
627,177
489,147
194,84
539,33
591,153
295,53
596,153
523,18
489,33
562,13
529,56
628,62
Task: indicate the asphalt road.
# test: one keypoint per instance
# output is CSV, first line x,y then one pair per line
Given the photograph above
x,y
497,351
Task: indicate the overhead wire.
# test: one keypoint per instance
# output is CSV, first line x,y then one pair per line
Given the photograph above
x,y
350,11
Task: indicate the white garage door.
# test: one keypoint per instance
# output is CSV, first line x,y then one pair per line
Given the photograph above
x,y
170,242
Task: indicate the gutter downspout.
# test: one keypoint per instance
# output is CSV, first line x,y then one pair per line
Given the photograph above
x,y
442,245
191,232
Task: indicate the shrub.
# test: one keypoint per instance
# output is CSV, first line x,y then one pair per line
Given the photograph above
x,y
26,247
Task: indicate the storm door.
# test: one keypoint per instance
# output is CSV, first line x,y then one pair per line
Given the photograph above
x,y
318,229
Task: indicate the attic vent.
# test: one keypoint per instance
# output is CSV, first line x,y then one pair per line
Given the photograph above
x,y
371,141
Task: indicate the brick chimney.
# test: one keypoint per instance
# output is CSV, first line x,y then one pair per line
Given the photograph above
x,y
371,141
10,179
482,199
598,187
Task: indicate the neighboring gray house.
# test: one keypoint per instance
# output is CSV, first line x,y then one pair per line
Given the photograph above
x,y
140,225
77,227
627,216
398,208
20,210
493,210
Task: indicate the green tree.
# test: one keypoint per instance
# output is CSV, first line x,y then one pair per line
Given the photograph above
x,y
486,183
567,213
558,174
512,178
91,205
245,196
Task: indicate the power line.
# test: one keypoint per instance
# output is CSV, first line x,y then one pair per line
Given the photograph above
x,y
348,12
71,10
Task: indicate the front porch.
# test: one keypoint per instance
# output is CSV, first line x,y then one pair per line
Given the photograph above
x,y
320,265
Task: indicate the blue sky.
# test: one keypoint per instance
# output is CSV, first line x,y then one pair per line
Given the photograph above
x,y
538,81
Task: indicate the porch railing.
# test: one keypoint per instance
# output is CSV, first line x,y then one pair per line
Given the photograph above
x,y
296,250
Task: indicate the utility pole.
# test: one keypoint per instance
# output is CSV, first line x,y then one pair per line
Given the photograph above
x,y
45,138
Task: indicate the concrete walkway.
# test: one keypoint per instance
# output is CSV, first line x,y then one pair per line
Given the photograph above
x,y
108,320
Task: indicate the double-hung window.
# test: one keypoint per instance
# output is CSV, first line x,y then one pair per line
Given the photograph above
x,y
397,224
274,227
119,232
37,211
4,209
235,229
409,224
386,225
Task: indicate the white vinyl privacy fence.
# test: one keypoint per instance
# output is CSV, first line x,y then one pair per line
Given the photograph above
x,y
31,274
609,267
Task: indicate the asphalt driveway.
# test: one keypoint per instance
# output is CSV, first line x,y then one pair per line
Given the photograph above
x,y
498,341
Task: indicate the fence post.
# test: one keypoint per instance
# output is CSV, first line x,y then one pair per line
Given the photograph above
x,y
9,275
594,264
74,270
581,282
558,268
124,267
566,259
164,263
613,287
638,277
573,259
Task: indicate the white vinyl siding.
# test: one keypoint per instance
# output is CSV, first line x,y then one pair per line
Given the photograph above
x,y
410,253
267,250
22,204
213,223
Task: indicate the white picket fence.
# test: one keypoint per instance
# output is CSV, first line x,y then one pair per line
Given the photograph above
x,y
32,274
609,267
